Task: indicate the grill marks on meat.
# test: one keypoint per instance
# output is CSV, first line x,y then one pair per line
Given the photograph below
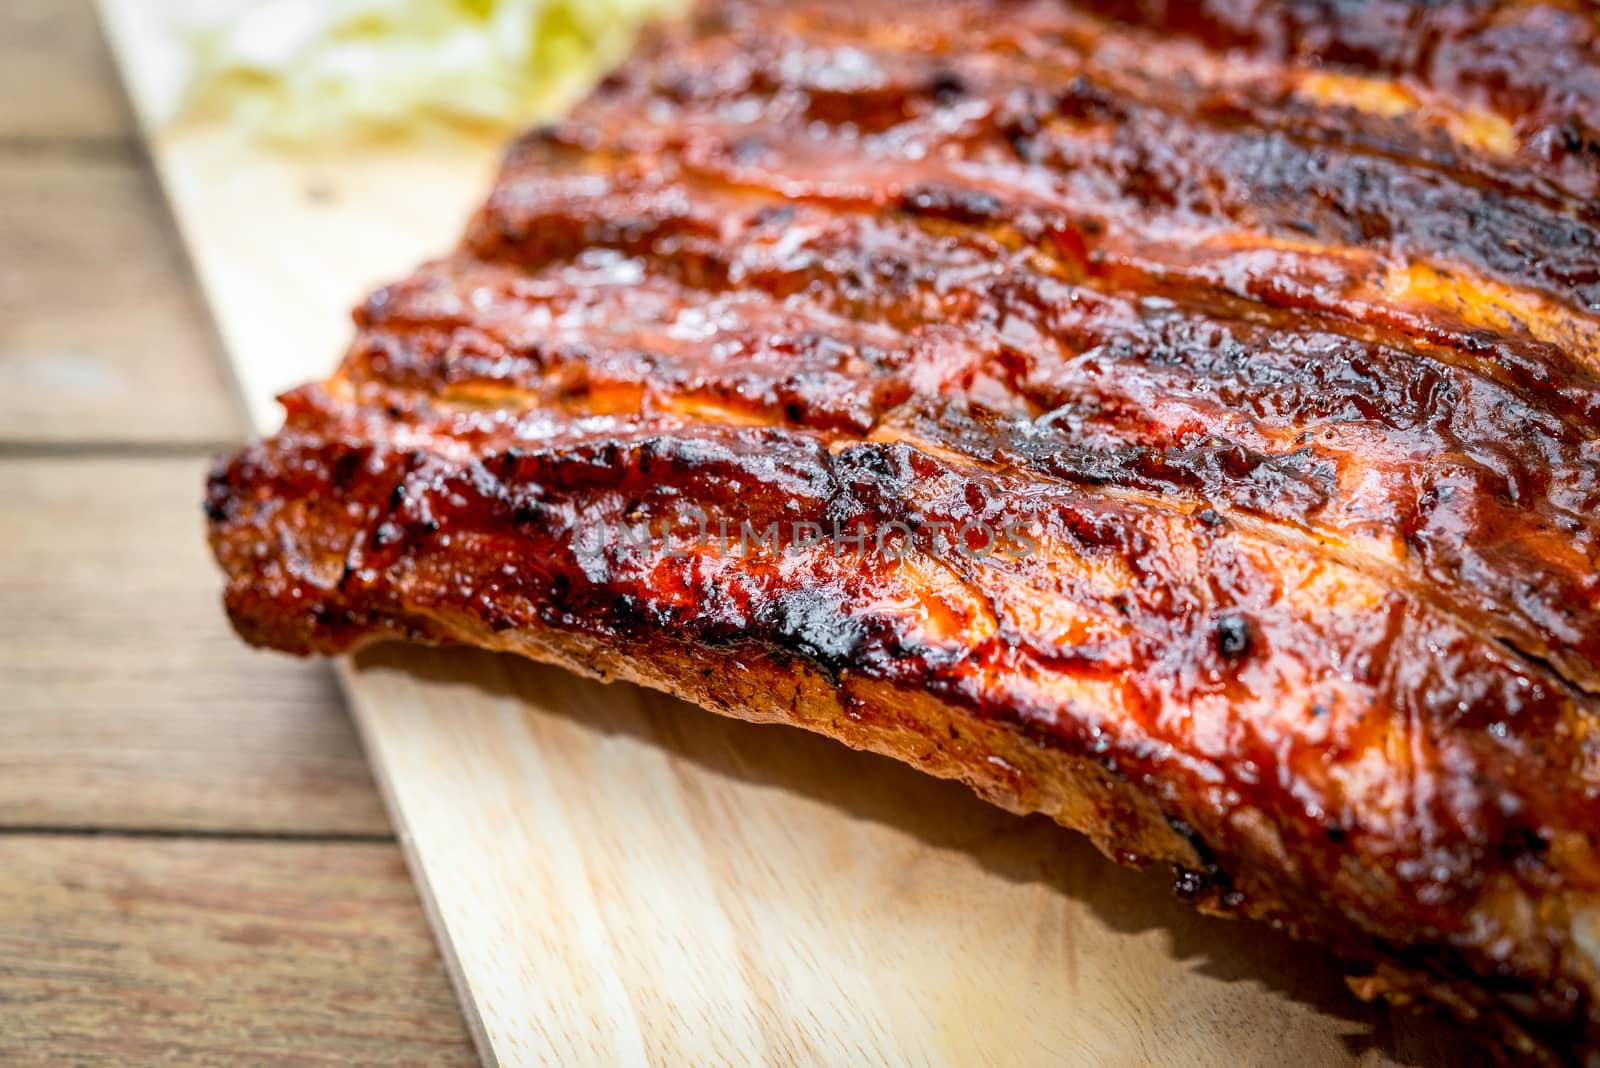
x,y
1289,370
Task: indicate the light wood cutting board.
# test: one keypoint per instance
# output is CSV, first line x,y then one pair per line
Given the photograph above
x,y
616,877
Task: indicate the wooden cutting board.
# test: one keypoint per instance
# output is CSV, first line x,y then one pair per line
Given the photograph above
x,y
616,877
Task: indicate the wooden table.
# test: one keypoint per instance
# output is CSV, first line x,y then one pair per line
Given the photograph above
x,y
194,865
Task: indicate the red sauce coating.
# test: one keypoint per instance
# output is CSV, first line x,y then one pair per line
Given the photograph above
x,y
1274,330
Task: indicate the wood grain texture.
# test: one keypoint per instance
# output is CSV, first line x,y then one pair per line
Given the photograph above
x,y
121,952
617,878
56,81
128,701
101,336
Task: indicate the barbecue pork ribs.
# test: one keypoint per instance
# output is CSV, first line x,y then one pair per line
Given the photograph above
x,y
1179,419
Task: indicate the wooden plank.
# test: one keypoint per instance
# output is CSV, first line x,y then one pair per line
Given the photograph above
x,y
102,337
618,878
128,701
56,81
196,952
709,891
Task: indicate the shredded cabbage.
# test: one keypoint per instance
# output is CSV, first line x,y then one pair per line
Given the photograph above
x,y
306,70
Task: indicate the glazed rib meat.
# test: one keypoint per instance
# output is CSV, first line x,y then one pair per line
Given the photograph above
x,y
1178,419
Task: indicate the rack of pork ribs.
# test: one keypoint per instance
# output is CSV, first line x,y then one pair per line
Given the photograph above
x,y
1273,336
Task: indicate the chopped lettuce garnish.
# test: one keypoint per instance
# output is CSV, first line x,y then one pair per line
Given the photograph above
x,y
300,71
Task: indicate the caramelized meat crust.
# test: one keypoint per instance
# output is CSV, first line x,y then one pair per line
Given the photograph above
x,y
1180,419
